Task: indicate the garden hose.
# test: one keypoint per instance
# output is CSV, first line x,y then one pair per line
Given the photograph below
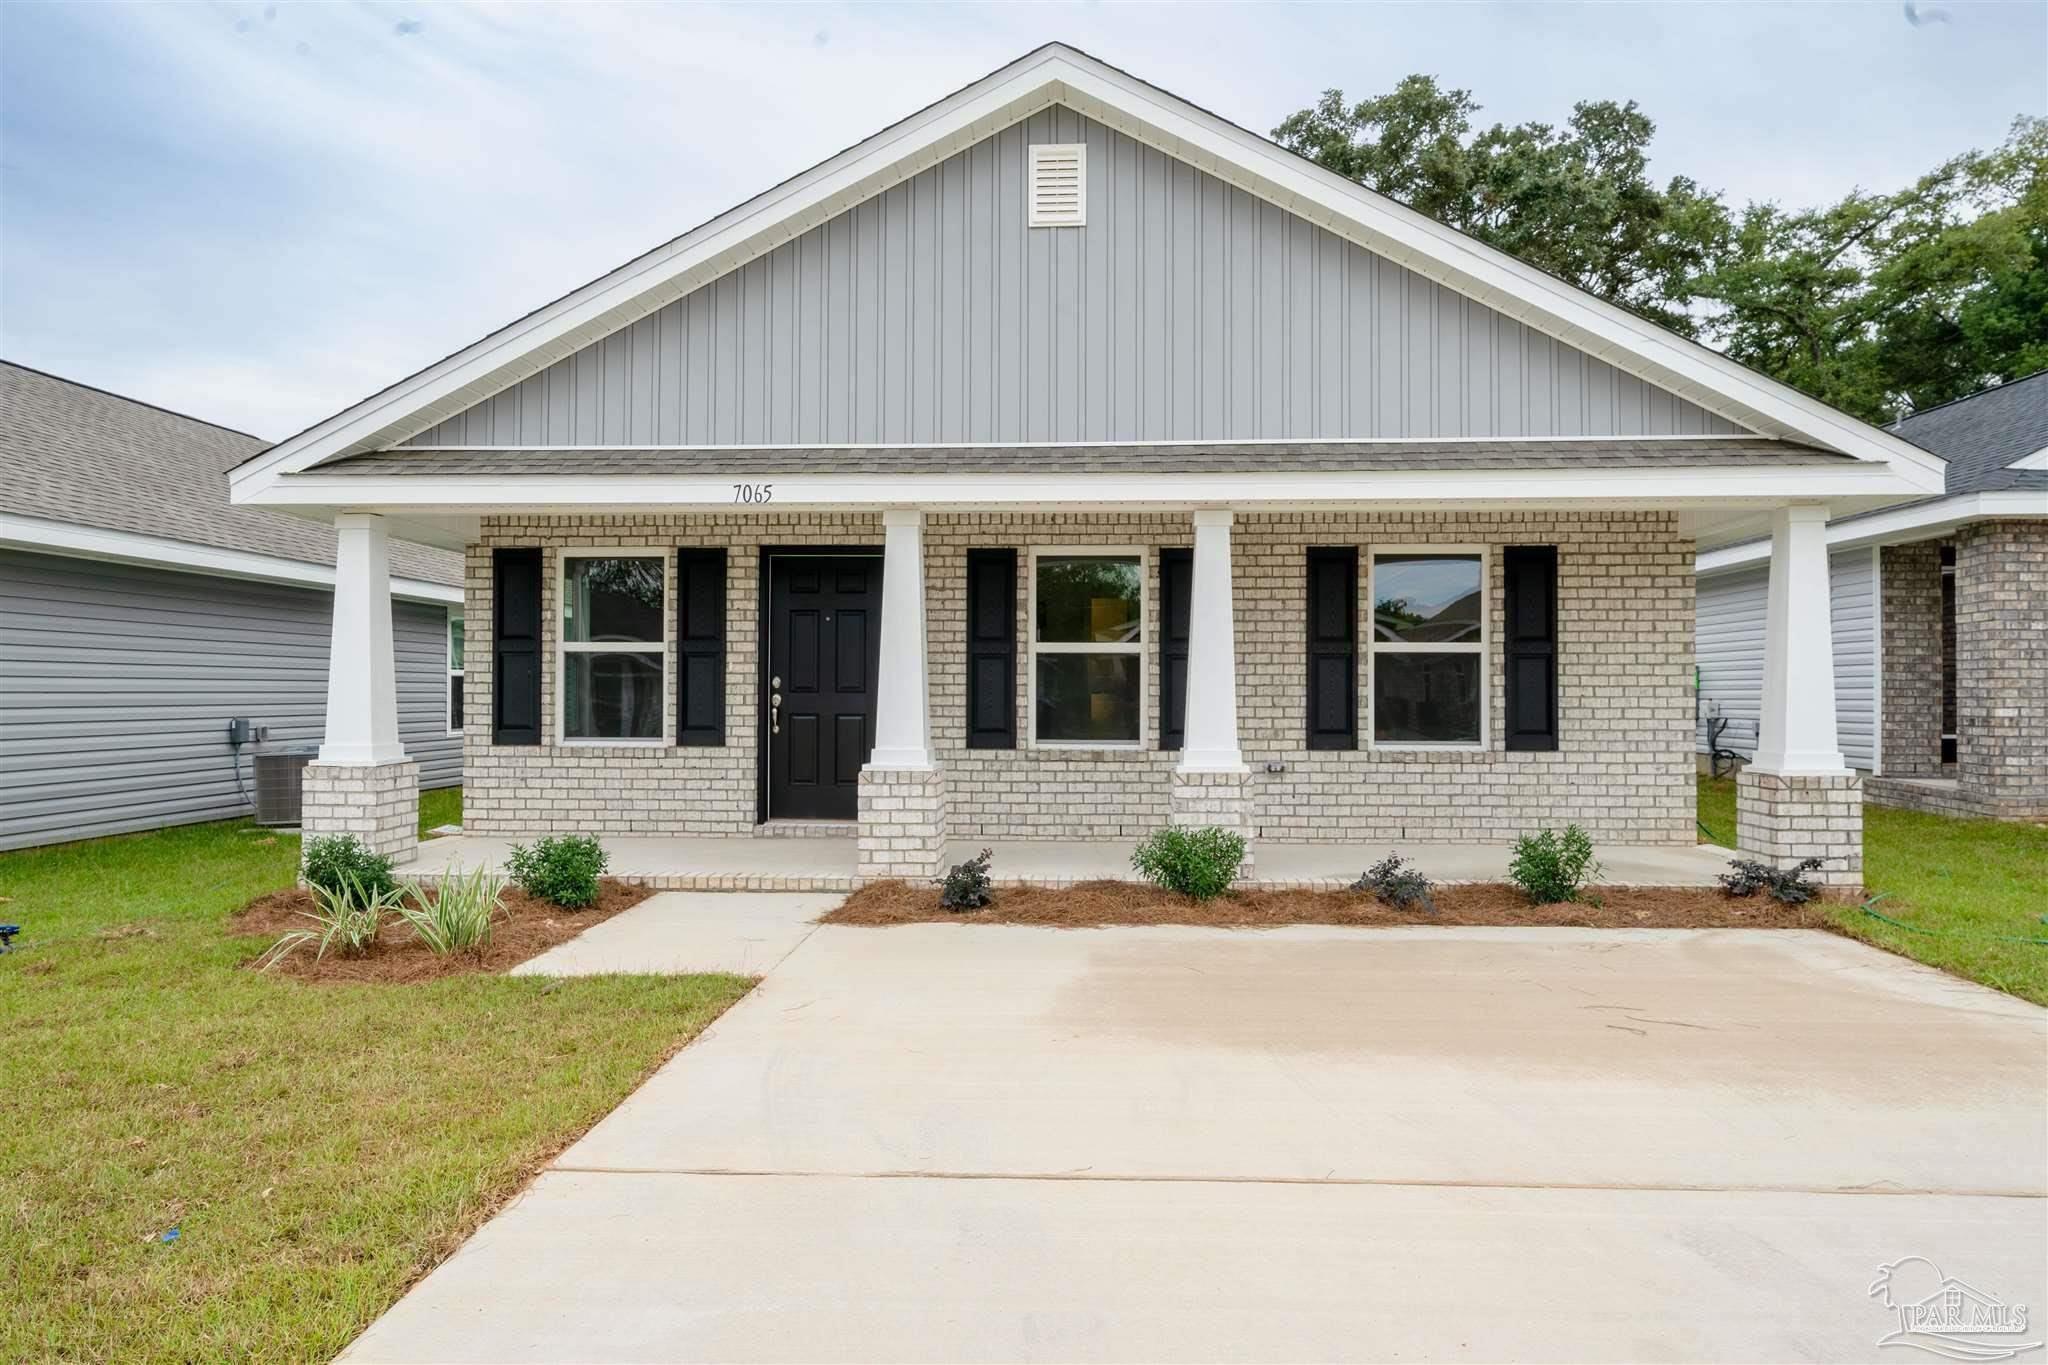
x,y
1944,933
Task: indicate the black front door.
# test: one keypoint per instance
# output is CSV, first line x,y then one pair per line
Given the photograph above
x,y
824,641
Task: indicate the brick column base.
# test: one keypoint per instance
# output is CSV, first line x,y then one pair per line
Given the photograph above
x,y
1780,820
1219,800
379,803
902,823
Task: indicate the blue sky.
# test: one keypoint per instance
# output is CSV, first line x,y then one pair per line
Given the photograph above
x,y
259,213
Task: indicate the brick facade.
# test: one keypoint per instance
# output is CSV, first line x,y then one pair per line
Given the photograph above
x,y
379,803
1911,681
1782,819
1624,768
902,823
2002,667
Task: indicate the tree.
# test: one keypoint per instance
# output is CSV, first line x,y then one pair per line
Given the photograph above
x,y
1577,202
1885,303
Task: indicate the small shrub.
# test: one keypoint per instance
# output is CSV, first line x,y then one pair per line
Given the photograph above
x,y
1399,883
1786,885
1554,865
336,862
965,885
1197,863
348,920
460,913
562,868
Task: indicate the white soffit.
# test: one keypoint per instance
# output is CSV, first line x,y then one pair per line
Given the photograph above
x,y
1055,74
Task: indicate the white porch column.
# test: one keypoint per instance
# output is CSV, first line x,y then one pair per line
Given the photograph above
x,y
1798,798
362,672
902,710
362,783
1211,722
902,799
1212,785
1796,726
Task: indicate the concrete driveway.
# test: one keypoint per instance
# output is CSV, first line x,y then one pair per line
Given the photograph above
x,y
991,1143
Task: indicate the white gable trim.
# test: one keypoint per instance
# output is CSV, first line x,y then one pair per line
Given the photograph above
x,y
1896,526
129,547
1055,74
2037,460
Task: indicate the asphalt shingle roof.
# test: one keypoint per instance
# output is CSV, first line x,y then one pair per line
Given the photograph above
x,y
1980,436
1218,458
79,455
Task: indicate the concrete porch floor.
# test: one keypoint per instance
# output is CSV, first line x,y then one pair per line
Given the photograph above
x,y
745,863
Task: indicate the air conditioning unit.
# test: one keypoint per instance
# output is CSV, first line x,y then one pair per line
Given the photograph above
x,y
279,778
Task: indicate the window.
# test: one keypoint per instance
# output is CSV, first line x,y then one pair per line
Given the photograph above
x,y
454,674
614,653
1428,651
1087,647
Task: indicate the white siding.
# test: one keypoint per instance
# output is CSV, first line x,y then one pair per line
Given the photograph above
x,y
1729,634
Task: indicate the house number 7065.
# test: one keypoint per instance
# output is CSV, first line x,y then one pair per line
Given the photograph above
x,y
753,492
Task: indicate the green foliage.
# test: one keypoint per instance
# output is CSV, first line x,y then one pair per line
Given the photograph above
x,y
460,912
1554,865
347,920
1397,882
562,868
1197,863
1881,303
1787,885
966,885
338,862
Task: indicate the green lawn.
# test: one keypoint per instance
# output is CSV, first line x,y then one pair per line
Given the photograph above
x,y
1977,887
315,1147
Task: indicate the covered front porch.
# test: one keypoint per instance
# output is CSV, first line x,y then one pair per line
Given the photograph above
x,y
831,863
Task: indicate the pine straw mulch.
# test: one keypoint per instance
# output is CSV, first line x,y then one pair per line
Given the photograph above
x,y
528,928
1088,905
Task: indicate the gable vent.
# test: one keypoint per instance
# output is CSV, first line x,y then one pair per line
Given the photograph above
x,y
1059,184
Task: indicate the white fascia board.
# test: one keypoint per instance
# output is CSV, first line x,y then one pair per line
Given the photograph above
x,y
1692,486
1900,525
2037,460
1056,74
129,547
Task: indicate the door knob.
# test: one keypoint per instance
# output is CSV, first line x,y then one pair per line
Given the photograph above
x,y
775,712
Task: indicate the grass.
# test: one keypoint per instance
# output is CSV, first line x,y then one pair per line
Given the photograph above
x,y
1974,888
315,1147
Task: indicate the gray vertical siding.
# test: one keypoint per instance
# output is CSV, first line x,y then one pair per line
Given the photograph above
x,y
1729,634
117,683
1185,309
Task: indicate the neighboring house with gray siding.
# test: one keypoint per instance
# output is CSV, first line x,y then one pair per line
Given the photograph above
x,y
140,611
1940,620
1064,461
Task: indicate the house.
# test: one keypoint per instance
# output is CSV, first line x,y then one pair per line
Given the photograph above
x,y
1940,614
1063,461
140,612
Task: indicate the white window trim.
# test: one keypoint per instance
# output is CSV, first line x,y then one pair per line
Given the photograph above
x,y
563,648
1484,647
456,663
1137,647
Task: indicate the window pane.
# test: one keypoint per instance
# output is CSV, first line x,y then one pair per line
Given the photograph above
x,y
1091,600
1426,599
611,696
455,702
1425,698
1088,698
611,599
455,642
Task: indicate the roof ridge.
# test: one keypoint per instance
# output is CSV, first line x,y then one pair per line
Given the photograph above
x,y
132,400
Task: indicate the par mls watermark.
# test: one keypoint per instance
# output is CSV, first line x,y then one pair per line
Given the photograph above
x,y
1945,1316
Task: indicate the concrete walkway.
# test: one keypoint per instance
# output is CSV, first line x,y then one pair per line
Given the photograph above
x,y
943,1142
743,932
750,863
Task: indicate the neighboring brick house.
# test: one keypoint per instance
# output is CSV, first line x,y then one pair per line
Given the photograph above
x,y
1064,461
1940,620
140,613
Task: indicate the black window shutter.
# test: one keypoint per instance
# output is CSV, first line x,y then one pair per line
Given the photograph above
x,y
700,646
1531,646
991,649
515,646
1176,588
1333,648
